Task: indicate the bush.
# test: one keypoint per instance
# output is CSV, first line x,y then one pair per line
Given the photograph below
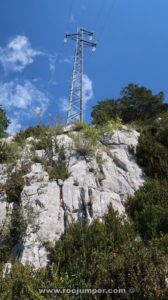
x,y
153,156
105,111
8,152
148,209
79,125
44,142
15,183
31,131
13,232
111,125
86,141
4,122
106,254
17,226
57,170
22,283
160,129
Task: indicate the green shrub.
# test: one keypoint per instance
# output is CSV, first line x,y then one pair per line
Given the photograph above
x,y
111,125
148,209
47,143
20,138
4,122
105,111
160,129
14,231
31,131
44,142
22,283
58,128
86,141
17,226
79,125
57,170
153,156
106,254
15,183
8,152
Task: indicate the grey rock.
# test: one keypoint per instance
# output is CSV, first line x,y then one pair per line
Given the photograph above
x,y
49,207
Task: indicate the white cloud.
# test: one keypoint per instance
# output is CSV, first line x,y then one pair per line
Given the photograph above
x,y
87,89
22,97
72,19
17,54
52,61
14,126
67,61
64,104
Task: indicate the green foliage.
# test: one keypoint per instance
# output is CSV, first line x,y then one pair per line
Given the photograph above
x,y
106,254
31,131
79,125
20,138
58,128
15,183
44,142
111,125
17,226
14,232
57,170
136,103
160,129
104,111
86,141
4,122
22,283
153,156
8,152
149,209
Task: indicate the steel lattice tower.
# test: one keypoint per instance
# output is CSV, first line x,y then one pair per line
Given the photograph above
x,y
83,39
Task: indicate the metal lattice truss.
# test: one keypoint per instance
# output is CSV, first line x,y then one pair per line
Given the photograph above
x,y
75,109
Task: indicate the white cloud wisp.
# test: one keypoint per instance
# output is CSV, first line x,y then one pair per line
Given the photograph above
x,y
21,100
25,97
17,54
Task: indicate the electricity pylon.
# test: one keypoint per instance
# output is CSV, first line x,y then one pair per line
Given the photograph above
x,y
83,39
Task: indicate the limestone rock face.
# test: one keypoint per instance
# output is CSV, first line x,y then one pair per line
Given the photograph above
x,y
42,209
50,206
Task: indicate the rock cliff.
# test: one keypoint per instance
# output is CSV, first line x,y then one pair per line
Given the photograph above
x,y
50,205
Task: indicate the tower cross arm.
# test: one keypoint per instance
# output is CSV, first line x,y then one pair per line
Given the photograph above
x,y
89,43
87,32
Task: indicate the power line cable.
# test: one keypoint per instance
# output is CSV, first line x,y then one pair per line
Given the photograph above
x,y
99,13
72,2
61,48
107,17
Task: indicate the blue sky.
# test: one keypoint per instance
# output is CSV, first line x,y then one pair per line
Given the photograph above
x,y
36,66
